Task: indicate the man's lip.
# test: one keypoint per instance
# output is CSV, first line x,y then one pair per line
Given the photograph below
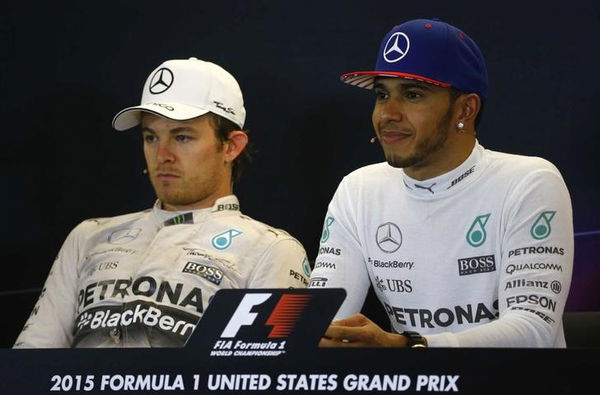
x,y
166,176
393,136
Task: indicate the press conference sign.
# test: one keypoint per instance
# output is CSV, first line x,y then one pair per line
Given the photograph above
x,y
265,322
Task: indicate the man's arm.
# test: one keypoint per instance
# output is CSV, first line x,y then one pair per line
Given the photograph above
x,y
340,262
536,268
50,324
284,264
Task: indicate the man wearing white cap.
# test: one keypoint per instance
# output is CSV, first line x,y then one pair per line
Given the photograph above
x,y
464,247
145,279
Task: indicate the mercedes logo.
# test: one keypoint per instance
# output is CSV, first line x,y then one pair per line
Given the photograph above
x,y
124,236
396,47
388,237
161,80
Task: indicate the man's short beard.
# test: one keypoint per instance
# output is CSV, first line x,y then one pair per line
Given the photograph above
x,y
425,147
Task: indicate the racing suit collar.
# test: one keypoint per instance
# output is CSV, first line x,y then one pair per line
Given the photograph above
x,y
162,217
450,182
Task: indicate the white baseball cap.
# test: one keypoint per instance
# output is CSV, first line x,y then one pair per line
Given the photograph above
x,y
182,89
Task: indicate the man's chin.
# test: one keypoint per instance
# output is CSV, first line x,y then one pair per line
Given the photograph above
x,y
398,162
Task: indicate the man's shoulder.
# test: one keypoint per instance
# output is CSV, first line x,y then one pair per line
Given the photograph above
x,y
107,222
262,230
516,164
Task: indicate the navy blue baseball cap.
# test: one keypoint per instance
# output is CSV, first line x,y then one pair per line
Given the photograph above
x,y
428,50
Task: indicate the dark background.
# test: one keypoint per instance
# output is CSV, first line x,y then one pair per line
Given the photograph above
x,y
67,67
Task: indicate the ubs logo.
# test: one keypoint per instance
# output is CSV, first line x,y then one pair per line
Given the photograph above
x,y
388,237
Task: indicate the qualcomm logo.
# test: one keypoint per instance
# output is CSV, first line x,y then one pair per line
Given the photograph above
x,y
223,240
396,47
476,234
541,227
388,237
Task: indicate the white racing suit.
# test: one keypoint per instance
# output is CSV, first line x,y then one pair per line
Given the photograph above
x,y
481,256
145,279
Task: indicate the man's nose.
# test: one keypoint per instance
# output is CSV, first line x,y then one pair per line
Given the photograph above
x,y
391,110
165,152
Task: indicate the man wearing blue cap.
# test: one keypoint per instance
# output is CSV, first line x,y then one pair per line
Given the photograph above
x,y
464,247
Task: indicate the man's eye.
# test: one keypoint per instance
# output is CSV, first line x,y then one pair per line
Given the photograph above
x,y
148,138
381,95
182,138
413,95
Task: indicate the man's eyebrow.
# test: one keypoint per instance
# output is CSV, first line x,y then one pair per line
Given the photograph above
x,y
178,129
378,85
404,85
415,84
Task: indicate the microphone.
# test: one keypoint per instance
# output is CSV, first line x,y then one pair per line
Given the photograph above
x,y
373,139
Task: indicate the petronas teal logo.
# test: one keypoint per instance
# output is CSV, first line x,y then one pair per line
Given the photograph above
x,y
476,235
541,227
325,235
223,240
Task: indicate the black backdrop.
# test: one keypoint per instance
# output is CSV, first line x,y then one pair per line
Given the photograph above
x,y
67,67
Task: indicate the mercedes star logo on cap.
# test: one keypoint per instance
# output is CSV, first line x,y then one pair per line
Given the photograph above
x,y
161,81
388,237
396,47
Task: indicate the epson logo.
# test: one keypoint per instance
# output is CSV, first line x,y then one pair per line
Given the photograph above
x,y
476,264
542,301
210,273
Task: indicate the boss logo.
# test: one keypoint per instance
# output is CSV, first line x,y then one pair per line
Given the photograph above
x,y
476,264
210,273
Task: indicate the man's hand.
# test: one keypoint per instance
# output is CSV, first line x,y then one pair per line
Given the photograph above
x,y
359,331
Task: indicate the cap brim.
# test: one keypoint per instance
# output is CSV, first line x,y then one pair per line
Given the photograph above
x,y
131,116
366,79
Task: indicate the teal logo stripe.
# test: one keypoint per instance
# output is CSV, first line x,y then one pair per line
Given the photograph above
x,y
541,227
223,240
476,234
325,235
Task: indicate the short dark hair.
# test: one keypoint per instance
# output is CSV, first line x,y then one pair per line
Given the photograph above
x,y
223,127
455,94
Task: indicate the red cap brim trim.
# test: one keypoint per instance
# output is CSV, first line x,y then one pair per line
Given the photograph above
x,y
365,79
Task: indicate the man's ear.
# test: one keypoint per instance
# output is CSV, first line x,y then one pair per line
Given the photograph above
x,y
468,108
235,144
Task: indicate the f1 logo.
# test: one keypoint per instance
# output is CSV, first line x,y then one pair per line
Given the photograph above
x,y
242,315
283,318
